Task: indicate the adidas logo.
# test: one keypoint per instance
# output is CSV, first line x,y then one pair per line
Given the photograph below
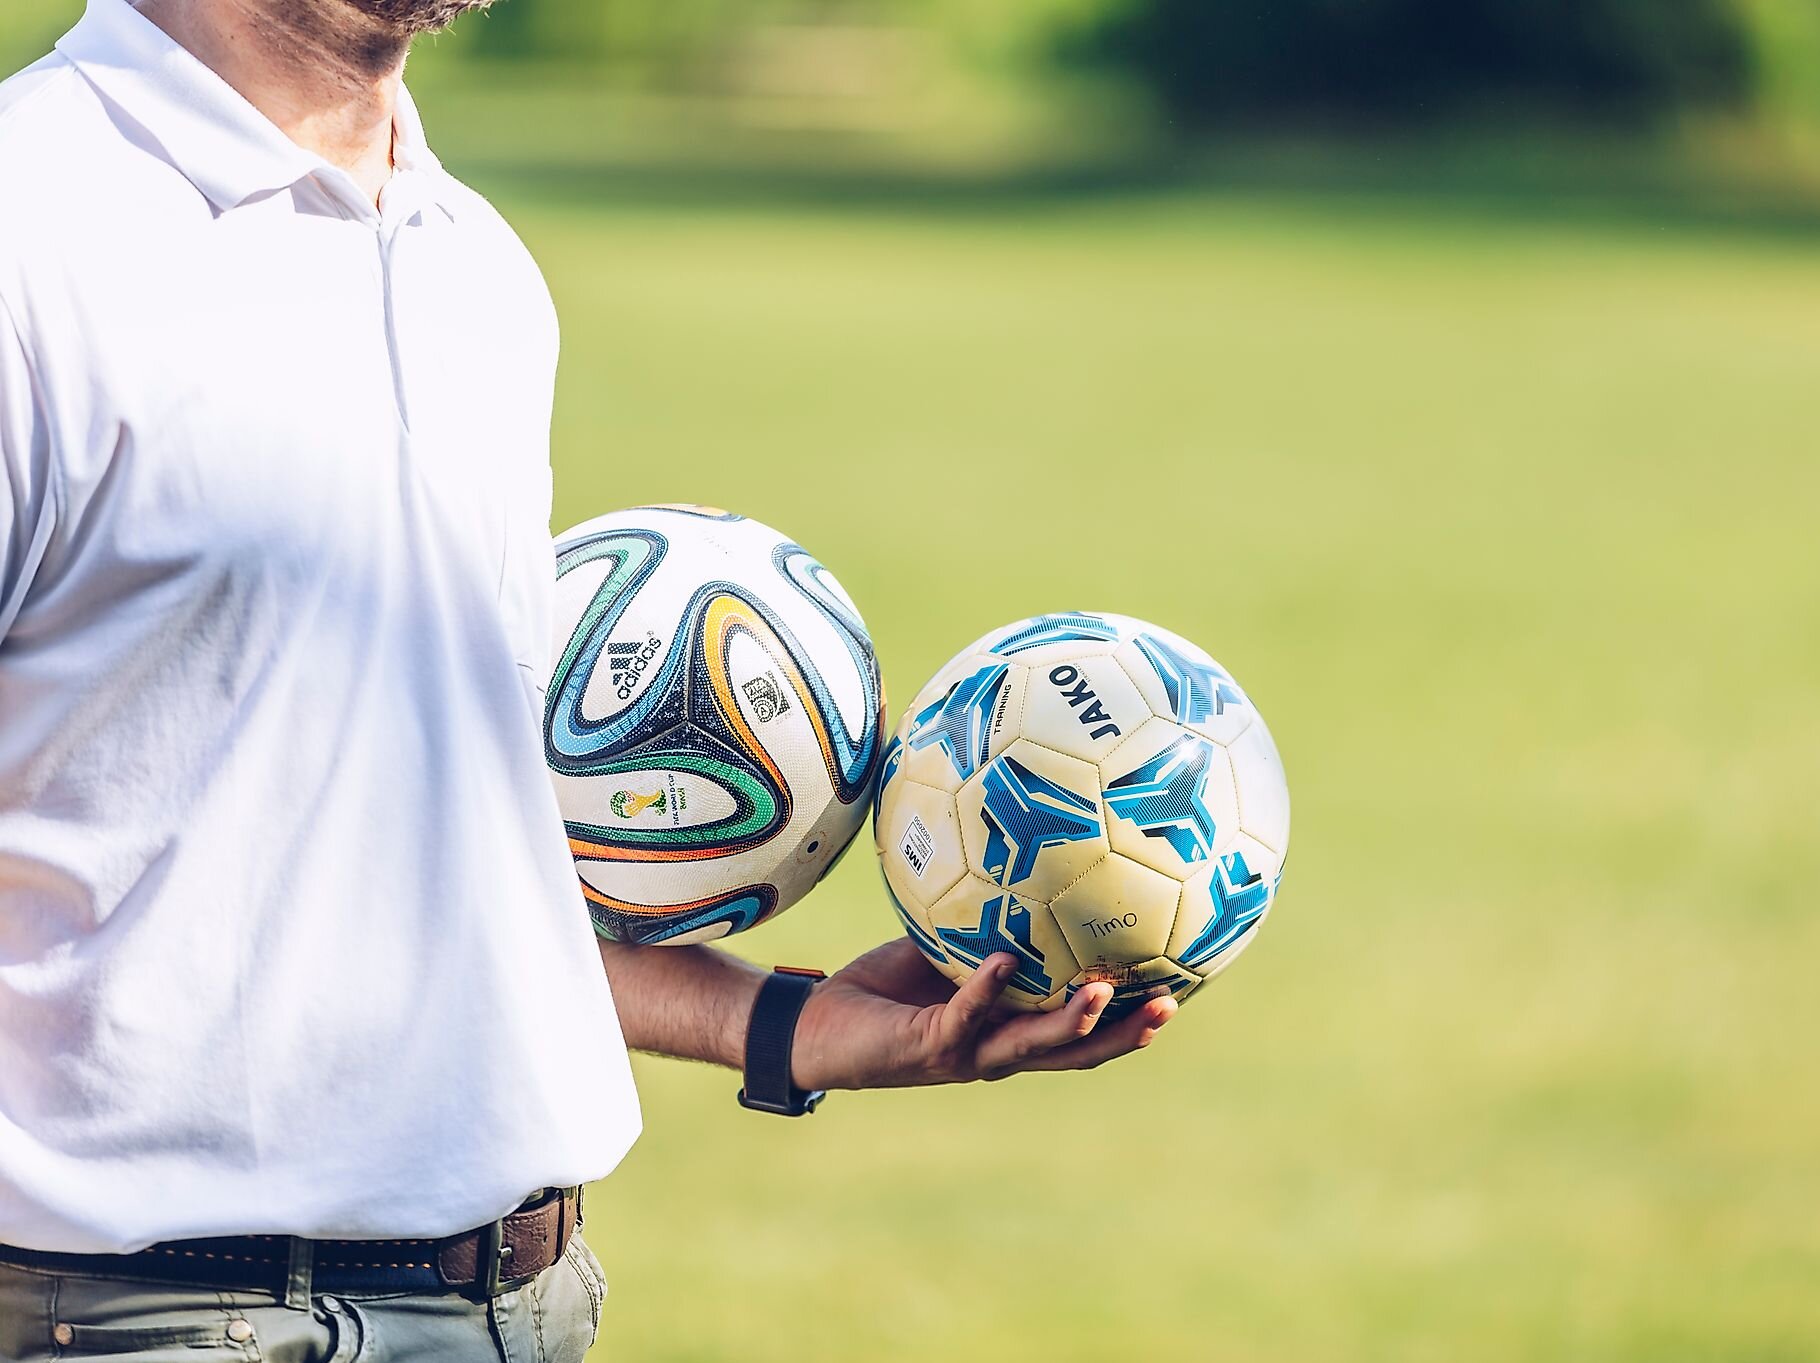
x,y
619,659
627,662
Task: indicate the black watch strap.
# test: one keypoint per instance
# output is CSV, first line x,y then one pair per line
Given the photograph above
x,y
770,1037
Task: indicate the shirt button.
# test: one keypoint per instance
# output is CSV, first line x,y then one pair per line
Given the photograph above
x,y
240,1331
64,1334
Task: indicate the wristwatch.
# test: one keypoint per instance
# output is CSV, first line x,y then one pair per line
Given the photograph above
x,y
769,1040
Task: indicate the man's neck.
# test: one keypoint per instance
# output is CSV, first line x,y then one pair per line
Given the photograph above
x,y
325,74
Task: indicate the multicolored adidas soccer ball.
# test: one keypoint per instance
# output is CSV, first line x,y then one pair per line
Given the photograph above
x,y
712,723
1095,796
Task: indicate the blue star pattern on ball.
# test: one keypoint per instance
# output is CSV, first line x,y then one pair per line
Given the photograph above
x,y
1167,797
960,723
1196,690
1073,627
1239,896
1024,813
1004,926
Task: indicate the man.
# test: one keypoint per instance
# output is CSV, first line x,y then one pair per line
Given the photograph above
x,y
304,1041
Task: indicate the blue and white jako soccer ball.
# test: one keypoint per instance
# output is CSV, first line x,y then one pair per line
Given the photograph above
x,y
712,723
1092,794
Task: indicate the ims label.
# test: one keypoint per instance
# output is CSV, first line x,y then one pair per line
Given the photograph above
x,y
917,845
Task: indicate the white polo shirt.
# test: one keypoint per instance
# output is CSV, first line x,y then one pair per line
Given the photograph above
x,y
290,937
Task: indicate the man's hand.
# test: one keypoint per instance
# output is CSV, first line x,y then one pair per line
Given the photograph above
x,y
888,1020
891,1020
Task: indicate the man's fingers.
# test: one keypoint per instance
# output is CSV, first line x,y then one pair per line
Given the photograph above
x,y
965,1015
1011,1045
1115,1037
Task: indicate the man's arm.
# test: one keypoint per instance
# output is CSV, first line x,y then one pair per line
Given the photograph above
x,y
888,1020
687,1002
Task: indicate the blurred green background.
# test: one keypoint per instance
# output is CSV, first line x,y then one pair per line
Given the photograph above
x,y
1450,371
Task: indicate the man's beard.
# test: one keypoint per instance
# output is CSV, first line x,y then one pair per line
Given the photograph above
x,y
410,17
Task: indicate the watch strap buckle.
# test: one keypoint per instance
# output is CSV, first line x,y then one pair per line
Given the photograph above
x,y
809,1101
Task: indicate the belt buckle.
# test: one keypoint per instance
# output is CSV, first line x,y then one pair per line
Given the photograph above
x,y
488,1255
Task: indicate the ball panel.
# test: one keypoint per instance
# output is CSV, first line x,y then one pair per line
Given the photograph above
x,y
746,672
808,850
610,673
777,713
1232,953
703,920
684,796
977,918
916,924
1180,682
1171,798
1119,911
962,727
1223,906
1054,1001
1030,820
1263,787
823,623
1044,640
1082,706
919,842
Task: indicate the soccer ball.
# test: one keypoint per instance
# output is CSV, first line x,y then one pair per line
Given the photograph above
x,y
1095,796
713,722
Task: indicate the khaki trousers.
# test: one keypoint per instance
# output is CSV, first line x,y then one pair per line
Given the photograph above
x,y
552,1318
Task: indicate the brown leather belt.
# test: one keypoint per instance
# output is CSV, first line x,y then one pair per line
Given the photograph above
x,y
483,1262
518,1246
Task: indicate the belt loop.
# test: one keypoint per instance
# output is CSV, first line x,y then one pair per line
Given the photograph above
x,y
300,1281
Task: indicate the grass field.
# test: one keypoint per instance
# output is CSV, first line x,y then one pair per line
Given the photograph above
x,y
1507,519
1510,530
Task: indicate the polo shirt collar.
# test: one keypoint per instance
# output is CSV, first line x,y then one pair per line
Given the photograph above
x,y
203,126
410,150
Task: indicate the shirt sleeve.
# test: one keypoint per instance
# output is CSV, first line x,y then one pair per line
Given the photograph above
x,y
27,514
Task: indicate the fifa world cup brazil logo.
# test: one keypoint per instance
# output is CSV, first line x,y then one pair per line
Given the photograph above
x,y
767,697
629,804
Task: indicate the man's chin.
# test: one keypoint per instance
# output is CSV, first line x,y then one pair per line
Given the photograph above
x,y
416,16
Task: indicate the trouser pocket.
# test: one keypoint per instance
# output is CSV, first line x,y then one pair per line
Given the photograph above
x,y
190,1341
104,1318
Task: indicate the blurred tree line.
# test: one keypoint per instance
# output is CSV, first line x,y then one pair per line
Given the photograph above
x,y
1425,59
1211,62
1204,63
